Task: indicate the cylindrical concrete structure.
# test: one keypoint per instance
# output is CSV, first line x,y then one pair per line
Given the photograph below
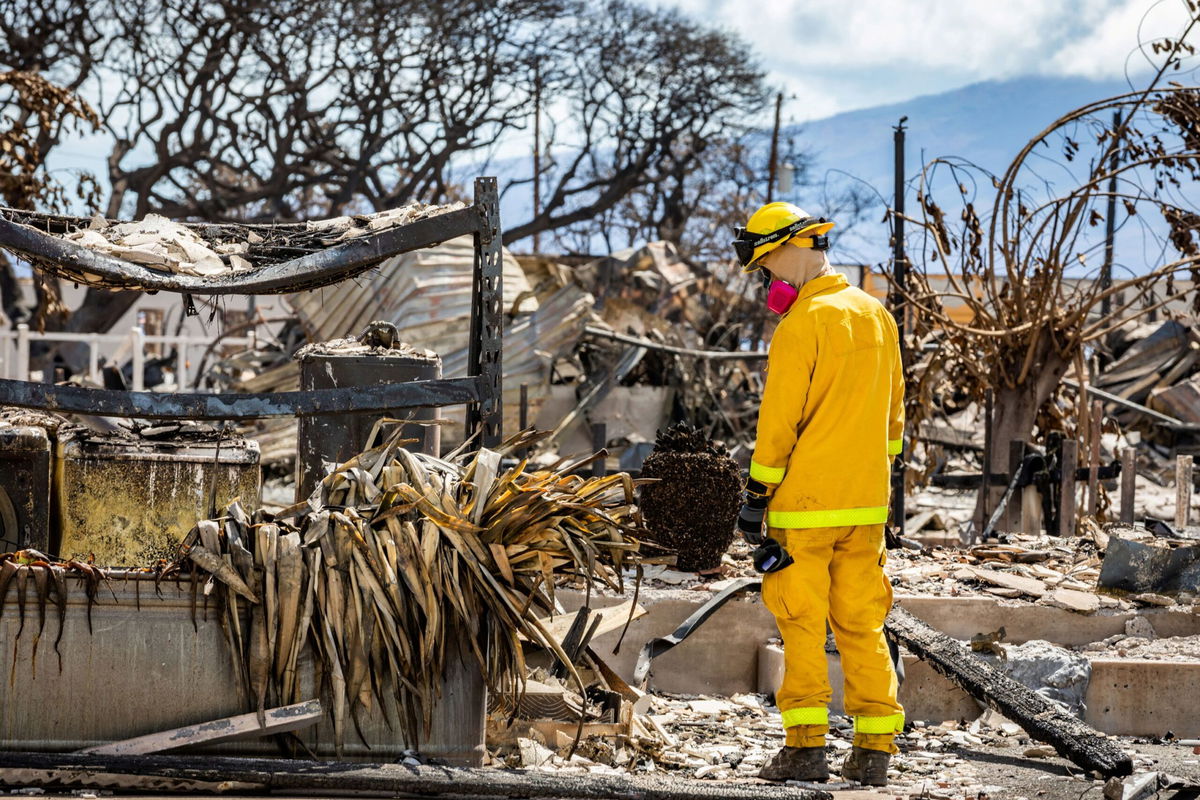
x,y
335,438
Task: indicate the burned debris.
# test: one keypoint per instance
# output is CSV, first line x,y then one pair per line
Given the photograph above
x,y
497,488
692,506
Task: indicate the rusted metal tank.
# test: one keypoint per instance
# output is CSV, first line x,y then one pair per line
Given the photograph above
x,y
375,360
24,488
130,501
144,669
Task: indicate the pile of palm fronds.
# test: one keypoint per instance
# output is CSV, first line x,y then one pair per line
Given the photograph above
x,y
397,560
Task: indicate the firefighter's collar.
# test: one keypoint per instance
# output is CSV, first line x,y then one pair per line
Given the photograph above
x,y
822,284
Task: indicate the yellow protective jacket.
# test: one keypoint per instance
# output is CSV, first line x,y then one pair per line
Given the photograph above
x,y
832,414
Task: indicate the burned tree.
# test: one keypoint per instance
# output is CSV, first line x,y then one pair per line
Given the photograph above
x,y
648,96
1028,274
47,52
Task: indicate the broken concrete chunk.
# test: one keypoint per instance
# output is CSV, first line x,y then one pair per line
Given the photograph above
x,y
1140,627
1007,580
1053,672
1082,602
533,754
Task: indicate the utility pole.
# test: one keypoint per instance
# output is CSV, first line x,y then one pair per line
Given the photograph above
x,y
537,154
1110,221
773,164
900,284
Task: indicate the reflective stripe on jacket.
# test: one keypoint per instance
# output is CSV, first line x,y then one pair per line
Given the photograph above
x,y
832,412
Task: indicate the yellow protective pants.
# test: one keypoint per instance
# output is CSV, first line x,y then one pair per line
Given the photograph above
x,y
837,576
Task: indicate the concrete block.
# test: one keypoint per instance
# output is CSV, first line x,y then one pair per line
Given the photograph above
x,y
1134,697
963,617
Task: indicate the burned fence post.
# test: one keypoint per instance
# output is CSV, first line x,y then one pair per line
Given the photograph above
x,y
1066,492
1012,511
1128,479
1183,491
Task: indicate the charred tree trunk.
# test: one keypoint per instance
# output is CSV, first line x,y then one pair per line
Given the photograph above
x,y
1014,414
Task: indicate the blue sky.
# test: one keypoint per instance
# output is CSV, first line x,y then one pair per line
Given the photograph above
x,y
832,57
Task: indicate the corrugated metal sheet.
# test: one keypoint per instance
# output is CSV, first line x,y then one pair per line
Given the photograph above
x,y
426,294
531,343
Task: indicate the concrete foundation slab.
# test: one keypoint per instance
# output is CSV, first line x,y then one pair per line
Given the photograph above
x,y
729,655
721,657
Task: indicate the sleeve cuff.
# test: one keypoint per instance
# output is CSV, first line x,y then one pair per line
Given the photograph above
x,y
767,474
894,447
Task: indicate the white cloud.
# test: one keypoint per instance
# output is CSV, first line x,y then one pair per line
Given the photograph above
x,y
866,52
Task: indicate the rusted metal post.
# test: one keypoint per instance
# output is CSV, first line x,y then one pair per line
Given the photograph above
x,y
523,418
1128,479
1012,512
986,486
1183,491
1066,487
1094,459
485,348
899,307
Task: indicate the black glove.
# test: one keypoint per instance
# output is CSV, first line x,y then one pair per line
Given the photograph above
x,y
771,557
753,513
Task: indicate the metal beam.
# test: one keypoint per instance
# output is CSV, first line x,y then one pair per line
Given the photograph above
x,y
169,405
307,272
487,318
712,355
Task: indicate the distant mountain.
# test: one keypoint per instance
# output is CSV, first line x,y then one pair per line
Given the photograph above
x,y
985,123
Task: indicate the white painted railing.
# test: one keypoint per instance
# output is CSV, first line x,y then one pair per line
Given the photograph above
x,y
14,351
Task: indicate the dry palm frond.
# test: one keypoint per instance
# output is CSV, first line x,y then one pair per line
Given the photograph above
x,y
400,559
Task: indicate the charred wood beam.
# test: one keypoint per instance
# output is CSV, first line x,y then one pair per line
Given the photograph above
x,y
1041,719
307,272
253,775
167,405
1160,418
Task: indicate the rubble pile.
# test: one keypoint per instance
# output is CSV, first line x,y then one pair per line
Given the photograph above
x,y
729,740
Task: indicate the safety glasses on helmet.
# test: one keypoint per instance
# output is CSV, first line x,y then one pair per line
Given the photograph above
x,y
745,242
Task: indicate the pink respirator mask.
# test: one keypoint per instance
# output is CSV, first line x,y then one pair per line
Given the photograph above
x,y
780,295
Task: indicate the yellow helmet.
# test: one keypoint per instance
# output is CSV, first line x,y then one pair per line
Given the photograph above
x,y
774,224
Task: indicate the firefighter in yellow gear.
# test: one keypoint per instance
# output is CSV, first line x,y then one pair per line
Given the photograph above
x,y
831,421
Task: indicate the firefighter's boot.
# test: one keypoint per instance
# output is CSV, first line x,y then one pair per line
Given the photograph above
x,y
868,767
797,764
